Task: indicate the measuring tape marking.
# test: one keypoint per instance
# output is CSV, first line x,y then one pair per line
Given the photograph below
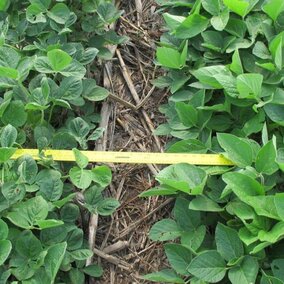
x,y
131,157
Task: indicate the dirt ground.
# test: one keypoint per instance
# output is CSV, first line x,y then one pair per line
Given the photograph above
x,y
130,115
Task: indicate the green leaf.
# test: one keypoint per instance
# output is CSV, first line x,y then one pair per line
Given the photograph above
x,y
249,85
165,230
192,26
179,257
92,92
236,65
9,116
208,266
80,178
240,7
9,72
8,136
212,6
231,144
243,185
187,114
273,8
50,223
93,270
203,203
228,243
275,113
28,245
107,206
81,160
6,154
164,276
278,201
59,59
59,13
4,5
3,230
246,272
277,266
5,249
102,175
26,214
81,254
76,276
275,234
54,259
184,177
266,159
169,57
50,184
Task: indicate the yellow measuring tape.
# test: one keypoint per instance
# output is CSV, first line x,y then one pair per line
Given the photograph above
x,y
131,157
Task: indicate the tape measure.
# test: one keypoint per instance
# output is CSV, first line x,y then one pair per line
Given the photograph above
x,y
131,157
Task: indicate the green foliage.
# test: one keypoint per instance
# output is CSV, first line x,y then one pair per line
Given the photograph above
x,y
46,102
227,97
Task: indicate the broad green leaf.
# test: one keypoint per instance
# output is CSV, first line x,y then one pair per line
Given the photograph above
x,y
165,230
232,145
273,8
276,49
59,13
5,249
81,254
186,219
273,235
206,75
184,177
9,72
107,206
93,270
95,94
3,230
54,259
179,257
219,22
9,116
76,276
173,21
50,184
266,159
59,59
266,279
169,57
187,114
102,175
6,154
277,266
81,160
50,223
192,26
194,238
279,201
8,136
236,65
246,272
164,276
249,85
80,178
228,243
240,7
4,5
212,6
243,185
275,113
208,266
27,213
203,203
28,245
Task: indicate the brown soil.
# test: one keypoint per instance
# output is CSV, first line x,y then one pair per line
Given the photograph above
x,y
129,77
